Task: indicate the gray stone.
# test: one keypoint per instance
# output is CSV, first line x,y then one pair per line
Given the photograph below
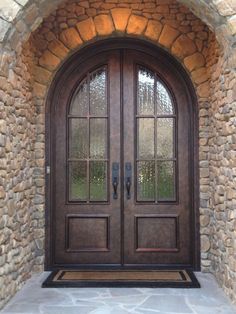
x,y
4,26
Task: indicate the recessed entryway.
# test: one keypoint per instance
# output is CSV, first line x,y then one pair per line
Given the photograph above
x,y
121,133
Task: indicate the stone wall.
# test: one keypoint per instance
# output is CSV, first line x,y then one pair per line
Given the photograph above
x,y
17,188
25,77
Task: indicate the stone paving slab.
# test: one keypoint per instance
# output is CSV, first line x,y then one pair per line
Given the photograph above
x,y
32,299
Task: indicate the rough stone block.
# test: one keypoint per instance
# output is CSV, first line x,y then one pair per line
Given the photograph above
x,y
194,61
103,24
31,14
9,9
39,90
58,49
120,17
232,25
205,244
41,75
200,75
136,24
224,7
203,90
49,61
4,26
168,36
153,30
183,47
71,38
86,29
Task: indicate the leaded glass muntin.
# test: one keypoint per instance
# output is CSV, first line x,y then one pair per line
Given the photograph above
x,y
158,195
93,157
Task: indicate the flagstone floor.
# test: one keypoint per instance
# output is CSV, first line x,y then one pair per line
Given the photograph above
x,y
210,299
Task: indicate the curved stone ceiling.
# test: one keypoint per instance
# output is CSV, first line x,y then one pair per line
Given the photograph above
x,y
18,18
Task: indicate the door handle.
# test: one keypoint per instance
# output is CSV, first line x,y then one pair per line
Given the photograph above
x,y
115,179
128,179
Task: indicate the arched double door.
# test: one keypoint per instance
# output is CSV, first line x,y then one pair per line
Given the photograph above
x,y
121,160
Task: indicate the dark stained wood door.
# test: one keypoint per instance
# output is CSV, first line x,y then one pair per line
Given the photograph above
x,y
157,212
87,148
122,162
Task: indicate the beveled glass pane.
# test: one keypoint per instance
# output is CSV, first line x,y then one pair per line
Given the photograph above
x,y
98,98
98,181
165,138
145,138
78,180
78,138
164,103
80,103
145,92
98,138
146,181
166,180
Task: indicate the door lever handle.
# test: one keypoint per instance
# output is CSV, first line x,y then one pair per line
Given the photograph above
x,y
128,179
115,179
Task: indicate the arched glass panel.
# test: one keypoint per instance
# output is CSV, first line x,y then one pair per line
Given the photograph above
x,y
88,139
156,136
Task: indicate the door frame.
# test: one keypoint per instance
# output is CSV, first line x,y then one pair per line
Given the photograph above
x,y
61,75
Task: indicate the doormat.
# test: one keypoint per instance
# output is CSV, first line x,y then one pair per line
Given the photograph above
x,y
122,278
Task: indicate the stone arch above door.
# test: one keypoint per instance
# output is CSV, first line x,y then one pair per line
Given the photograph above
x,y
185,41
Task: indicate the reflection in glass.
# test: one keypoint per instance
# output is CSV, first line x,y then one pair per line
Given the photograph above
x,y
98,138
78,138
145,92
146,181
145,138
165,143
79,105
98,181
78,180
164,103
166,180
98,101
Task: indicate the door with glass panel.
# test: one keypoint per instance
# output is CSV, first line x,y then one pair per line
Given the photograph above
x,y
122,194
157,209
87,160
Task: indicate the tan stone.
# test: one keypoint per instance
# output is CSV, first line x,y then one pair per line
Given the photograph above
x,y
194,61
49,61
200,75
70,38
205,243
41,75
136,25
232,25
203,90
168,36
2,192
120,18
103,24
39,90
86,29
58,49
153,30
162,9
183,47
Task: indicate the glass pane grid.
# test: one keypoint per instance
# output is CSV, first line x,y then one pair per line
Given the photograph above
x,y
88,140
155,151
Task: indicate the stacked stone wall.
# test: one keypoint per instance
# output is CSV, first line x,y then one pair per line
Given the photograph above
x,y
25,76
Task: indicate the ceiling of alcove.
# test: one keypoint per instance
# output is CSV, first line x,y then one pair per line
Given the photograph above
x,y
216,15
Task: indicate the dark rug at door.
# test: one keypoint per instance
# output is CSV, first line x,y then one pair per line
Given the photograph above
x,y
122,278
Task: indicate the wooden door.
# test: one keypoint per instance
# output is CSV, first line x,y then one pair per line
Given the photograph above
x,y
87,165
122,164
157,210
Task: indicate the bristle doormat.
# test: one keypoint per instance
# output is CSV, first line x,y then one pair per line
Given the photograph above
x,y
122,278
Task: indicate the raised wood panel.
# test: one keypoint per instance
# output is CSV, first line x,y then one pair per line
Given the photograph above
x,y
81,236
156,233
